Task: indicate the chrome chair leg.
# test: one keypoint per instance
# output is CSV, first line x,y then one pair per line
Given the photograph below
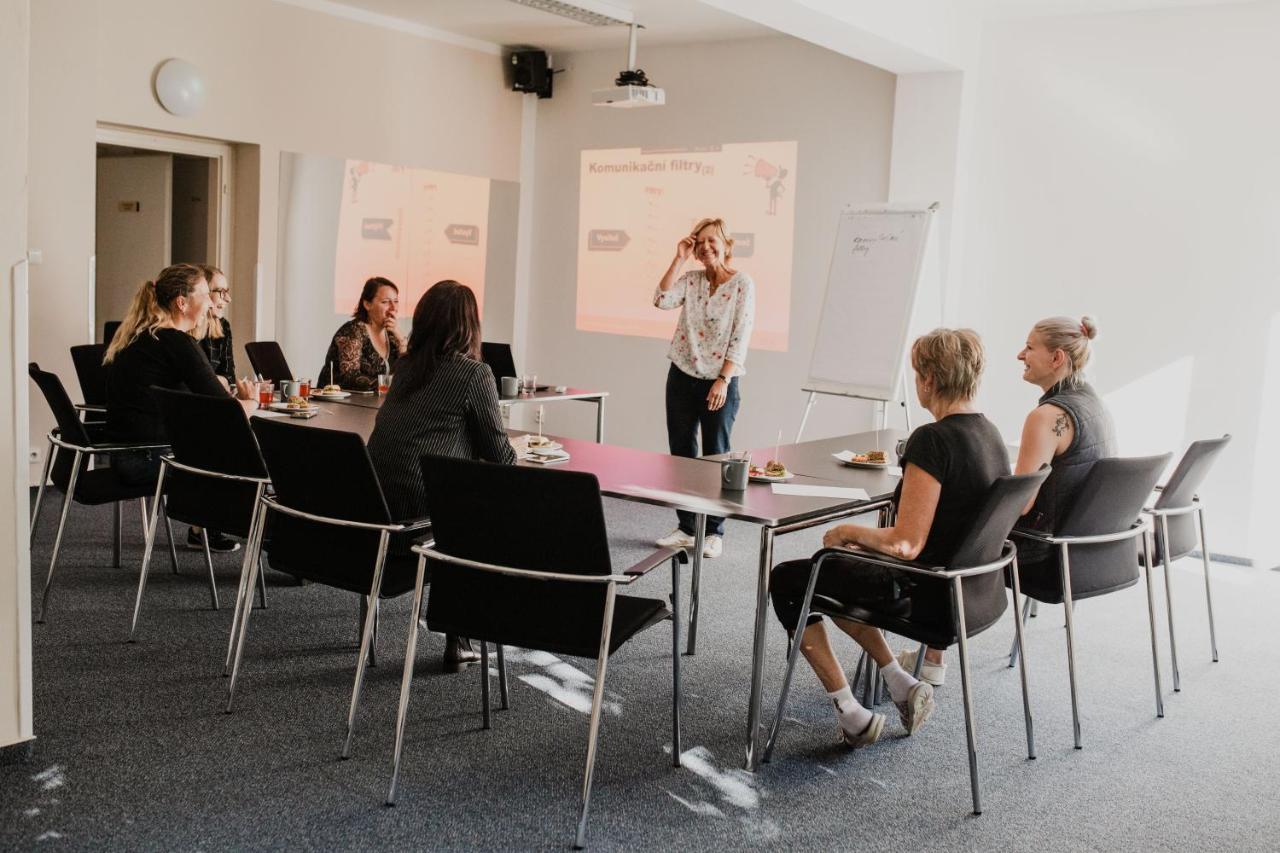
x,y
57,540
1022,660
1148,568
117,535
957,598
208,561
142,505
1168,597
168,529
255,565
44,479
244,592
406,678
797,641
262,577
920,653
597,701
875,682
147,549
1071,644
1208,592
1026,612
504,694
366,638
677,747
695,584
484,684
857,671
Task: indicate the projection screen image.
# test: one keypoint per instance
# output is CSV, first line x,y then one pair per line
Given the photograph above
x,y
636,203
413,226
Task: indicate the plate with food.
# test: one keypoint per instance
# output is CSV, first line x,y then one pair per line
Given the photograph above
x,y
869,459
330,392
293,404
537,443
772,472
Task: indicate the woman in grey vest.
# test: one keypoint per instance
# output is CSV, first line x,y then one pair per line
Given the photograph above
x,y
1069,429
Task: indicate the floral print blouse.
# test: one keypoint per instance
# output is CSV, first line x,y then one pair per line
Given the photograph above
x,y
356,364
711,329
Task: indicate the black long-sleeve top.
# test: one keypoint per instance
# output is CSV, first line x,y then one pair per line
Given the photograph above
x,y
221,353
170,359
454,413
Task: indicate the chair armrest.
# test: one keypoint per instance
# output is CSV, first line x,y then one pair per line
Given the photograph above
x,y
1134,530
90,407
917,568
1031,535
125,448
413,525
657,558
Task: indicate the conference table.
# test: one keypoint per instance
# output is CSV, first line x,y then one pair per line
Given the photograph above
x,y
694,485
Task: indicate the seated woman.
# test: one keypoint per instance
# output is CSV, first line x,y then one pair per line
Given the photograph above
x,y
215,334
154,347
369,343
443,402
948,467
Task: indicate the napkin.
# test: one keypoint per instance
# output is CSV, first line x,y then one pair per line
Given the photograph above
x,y
820,491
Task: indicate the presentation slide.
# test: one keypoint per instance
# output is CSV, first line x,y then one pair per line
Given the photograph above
x,y
413,226
636,203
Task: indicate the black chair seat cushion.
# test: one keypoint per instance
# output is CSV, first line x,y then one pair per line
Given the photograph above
x,y
222,505
924,614
338,557
1095,570
631,615
103,486
1182,537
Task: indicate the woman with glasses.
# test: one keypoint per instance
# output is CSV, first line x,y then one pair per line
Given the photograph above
x,y
216,337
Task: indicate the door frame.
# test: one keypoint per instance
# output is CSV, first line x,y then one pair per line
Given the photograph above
x,y
222,155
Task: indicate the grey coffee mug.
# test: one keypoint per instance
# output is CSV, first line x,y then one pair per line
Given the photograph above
x,y
290,388
734,474
510,386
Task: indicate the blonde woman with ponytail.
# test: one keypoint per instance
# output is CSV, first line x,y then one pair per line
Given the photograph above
x,y
154,346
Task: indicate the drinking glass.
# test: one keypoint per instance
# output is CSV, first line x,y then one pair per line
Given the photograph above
x,y
304,389
528,383
384,383
266,391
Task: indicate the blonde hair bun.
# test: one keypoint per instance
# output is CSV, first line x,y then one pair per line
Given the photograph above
x,y
1089,327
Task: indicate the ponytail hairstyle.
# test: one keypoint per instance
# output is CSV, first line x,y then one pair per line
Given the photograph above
x,y
1072,336
210,325
446,323
153,304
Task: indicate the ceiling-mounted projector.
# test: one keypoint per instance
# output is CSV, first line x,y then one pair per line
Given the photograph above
x,y
632,88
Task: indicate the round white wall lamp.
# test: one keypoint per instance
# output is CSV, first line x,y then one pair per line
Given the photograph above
x,y
180,87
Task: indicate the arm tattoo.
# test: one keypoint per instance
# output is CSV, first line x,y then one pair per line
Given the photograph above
x,y
1060,425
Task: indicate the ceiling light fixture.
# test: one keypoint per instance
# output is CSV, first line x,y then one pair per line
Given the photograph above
x,y
587,12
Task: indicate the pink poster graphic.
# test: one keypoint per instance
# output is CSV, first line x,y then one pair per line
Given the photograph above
x,y
413,226
634,204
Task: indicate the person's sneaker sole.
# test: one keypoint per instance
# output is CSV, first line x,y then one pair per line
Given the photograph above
x,y
918,707
868,736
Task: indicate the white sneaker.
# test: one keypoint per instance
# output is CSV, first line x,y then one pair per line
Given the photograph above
x,y
676,539
712,546
930,673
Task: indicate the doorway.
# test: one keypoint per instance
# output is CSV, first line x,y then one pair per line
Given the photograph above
x,y
160,200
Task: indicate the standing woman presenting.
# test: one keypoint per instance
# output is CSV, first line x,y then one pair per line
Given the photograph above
x,y
708,353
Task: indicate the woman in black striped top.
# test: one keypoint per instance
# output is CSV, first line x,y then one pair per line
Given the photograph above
x,y
443,402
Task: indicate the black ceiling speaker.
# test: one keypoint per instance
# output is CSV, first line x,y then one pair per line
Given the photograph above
x,y
531,72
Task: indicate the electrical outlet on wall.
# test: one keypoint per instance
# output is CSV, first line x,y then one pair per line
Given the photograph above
x,y
37,456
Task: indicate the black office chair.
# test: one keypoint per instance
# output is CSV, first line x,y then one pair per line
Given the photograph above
x,y
976,602
500,361
329,525
1096,552
546,583
268,360
212,478
92,376
1171,522
73,475
109,329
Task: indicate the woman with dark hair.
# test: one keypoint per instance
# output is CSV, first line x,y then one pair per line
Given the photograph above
x,y
367,344
443,402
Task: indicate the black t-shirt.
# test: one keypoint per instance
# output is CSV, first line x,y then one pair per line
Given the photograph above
x,y
966,454
169,359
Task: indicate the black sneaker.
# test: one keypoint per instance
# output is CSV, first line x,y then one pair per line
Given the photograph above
x,y
218,543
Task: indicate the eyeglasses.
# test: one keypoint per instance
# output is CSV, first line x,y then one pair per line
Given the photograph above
x,y
224,292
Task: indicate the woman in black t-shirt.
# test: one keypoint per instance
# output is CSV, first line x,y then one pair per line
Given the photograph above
x,y
154,347
948,467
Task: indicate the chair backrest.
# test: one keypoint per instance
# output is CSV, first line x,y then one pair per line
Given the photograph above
x,y
499,359
87,359
327,473
109,329
522,518
69,426
1181,490
268,360
212,434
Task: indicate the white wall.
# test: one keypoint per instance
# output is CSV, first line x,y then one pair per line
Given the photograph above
x,y
1126,166
15,576
279,78
841,113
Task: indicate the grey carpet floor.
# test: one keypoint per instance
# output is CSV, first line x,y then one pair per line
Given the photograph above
x,y
135,752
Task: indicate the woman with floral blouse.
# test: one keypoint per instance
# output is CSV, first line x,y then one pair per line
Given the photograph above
x,y
708,354
369,343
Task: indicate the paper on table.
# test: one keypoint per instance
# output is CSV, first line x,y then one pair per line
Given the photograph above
x,y
820,491
264,413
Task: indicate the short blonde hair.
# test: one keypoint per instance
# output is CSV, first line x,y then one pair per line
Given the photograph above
x,y
1070,335
721,227
952,360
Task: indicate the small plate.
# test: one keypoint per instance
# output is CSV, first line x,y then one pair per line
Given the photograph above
x,y
339,395
547,449
764,478
846,458
284,407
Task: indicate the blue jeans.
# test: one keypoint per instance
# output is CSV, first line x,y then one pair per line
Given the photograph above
x,y
687,415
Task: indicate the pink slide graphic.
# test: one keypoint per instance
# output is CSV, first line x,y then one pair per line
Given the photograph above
x,y
636,203
413,226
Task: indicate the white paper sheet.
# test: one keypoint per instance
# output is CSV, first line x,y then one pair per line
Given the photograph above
x,y
821,491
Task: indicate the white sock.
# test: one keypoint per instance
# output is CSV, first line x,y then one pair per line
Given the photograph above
x,y
898,680
852,717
